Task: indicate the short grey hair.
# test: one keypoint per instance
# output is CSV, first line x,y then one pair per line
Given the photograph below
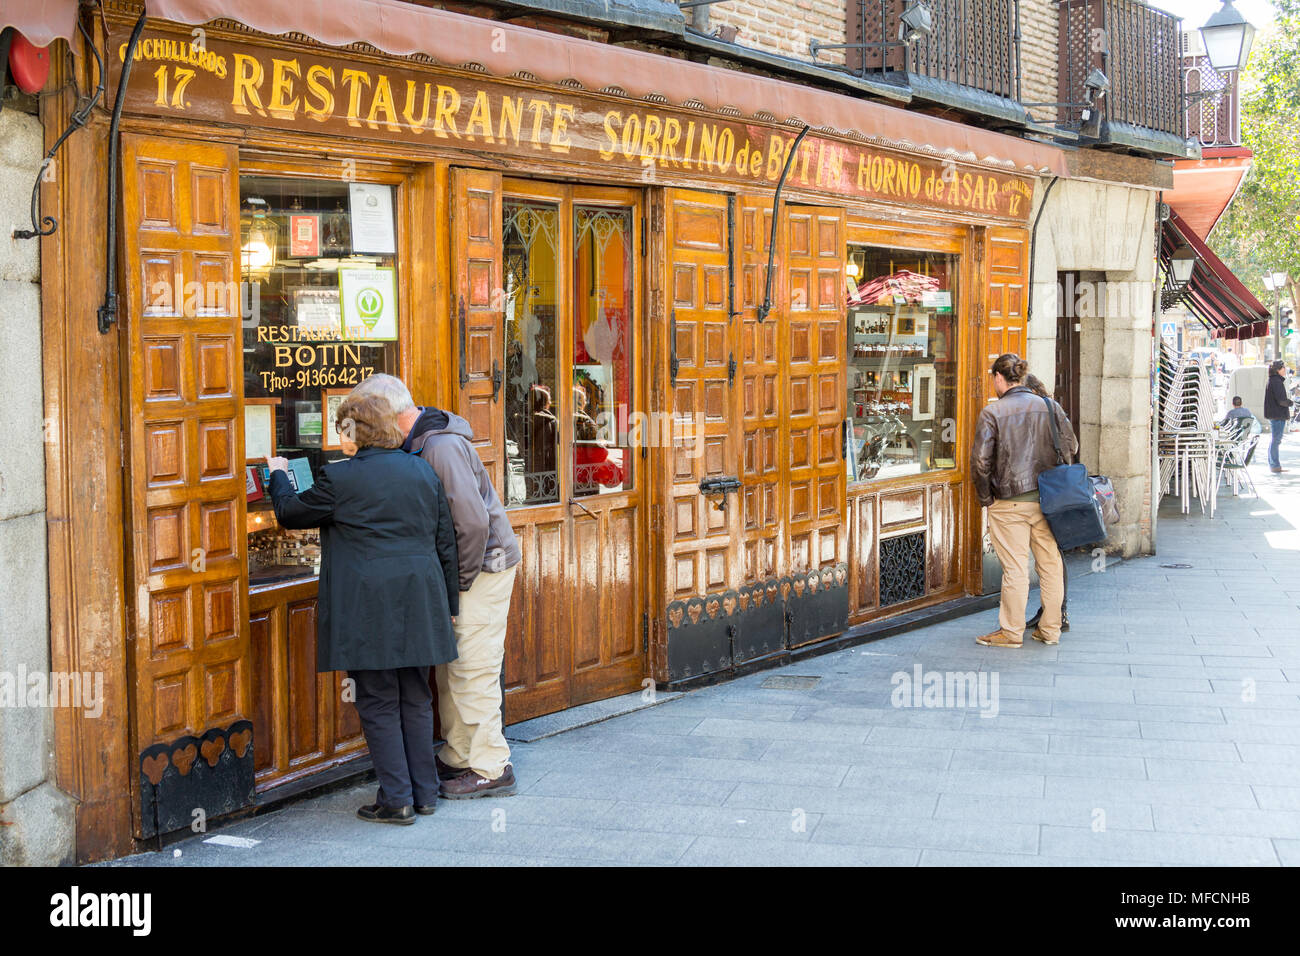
x,y
388,387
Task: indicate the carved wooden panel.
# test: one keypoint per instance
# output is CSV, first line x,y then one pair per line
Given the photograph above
x,y
813,337
761,378
477,309
1007,269
701,544
192,669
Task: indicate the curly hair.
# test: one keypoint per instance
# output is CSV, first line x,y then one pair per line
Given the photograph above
x,y
369,421
1011,367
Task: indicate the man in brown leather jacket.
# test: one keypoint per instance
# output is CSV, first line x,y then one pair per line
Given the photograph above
x,y
1013,446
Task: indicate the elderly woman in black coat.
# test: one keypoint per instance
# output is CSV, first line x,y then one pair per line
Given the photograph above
x,y
388,592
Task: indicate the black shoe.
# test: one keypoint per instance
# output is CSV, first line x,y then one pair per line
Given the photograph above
x,y
426,810
1065,620
378,813
1033,621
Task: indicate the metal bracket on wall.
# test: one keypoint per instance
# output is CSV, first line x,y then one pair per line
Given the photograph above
x,y
460,314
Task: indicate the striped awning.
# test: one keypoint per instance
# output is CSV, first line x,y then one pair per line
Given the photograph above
x,y
1215,296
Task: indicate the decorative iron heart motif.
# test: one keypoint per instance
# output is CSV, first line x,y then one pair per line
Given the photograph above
x,y
212,750
729,604
814,581
184,758
675,616
153,768
712,607
798,587
785,590
239,742
771,592
841,575
694,611
744,600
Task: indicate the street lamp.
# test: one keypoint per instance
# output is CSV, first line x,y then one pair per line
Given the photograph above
x,y
1228,36
1182,263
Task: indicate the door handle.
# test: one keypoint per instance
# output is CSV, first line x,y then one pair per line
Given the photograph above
x,y
672,345
497,379
590,514
464,375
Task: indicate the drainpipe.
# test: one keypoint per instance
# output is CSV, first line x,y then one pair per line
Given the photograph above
x,y
1033,244
107,313
766,307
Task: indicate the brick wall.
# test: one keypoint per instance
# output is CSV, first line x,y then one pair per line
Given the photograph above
x,y
783,27
1038,55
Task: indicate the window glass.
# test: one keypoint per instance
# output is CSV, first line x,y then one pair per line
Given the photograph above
x,y
320,315
531,262
902,362
602,349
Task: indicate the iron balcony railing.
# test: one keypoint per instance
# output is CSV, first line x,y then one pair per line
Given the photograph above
x,y
1213,120
1137,48
973,43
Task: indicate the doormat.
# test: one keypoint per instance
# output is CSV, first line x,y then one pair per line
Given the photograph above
x,y
584,715
792,682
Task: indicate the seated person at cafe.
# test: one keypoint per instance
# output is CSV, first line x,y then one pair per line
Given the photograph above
x,y
1239,413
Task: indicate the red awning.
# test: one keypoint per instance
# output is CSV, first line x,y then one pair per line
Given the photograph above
x,y
1214,295
41,21
505,49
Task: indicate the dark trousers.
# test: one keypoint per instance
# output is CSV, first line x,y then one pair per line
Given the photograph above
x,y
396,710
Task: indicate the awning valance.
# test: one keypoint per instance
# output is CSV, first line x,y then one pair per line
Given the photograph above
x,y
41,21
1215,296
506,49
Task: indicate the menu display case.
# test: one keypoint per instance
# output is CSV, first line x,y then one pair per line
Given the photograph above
x,y
902,363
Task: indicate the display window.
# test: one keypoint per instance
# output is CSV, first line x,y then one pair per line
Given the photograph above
x,y
567,267
319,269
902,368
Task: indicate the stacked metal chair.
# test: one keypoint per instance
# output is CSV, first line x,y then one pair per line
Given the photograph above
x,y
1187,442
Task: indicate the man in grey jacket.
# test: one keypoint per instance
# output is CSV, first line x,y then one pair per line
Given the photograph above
x,y
475,762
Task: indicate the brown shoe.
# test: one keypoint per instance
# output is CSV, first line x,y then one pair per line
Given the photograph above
x,y
1038,635
996,639
470,785
448,773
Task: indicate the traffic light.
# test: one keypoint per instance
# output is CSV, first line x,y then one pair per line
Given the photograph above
x,y
1287,325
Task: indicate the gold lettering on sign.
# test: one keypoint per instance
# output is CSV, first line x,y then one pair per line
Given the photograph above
x,y
282,91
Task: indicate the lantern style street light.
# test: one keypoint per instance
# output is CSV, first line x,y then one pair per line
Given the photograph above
x,y
1182,263
1228,36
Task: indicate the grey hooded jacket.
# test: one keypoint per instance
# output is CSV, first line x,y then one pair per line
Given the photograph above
x,y
484,539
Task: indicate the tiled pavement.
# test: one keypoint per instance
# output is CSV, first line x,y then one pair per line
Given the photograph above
x,y
1165,729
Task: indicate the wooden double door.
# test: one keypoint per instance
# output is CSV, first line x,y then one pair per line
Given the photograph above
x,y
549,327
759,565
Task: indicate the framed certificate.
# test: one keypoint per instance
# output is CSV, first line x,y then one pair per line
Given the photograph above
x,y
330,400
259,429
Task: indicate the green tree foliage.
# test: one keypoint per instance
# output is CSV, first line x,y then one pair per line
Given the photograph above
x,y
1260,232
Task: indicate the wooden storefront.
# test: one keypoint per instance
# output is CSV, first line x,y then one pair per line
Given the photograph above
x,y
680,462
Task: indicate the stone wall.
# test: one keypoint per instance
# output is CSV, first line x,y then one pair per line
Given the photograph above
x,y
36,819
1107,233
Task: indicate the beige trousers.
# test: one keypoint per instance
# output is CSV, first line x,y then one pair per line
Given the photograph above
x,y
469,688
1016,528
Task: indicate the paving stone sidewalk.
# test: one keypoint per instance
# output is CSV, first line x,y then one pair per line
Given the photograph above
x,y
1164,729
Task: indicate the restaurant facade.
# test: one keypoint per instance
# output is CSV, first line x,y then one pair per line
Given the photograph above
x,y
722,340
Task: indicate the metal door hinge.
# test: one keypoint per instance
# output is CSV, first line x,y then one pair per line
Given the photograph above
x,y
497,378
731,369
645,633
